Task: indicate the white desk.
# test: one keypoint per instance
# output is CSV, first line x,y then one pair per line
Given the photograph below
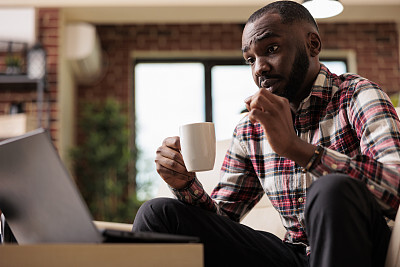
x,y
60,255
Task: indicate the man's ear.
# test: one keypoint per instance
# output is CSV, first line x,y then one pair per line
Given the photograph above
x,y
314,44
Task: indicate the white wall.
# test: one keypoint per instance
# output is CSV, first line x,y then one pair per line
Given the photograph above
x,y
66,99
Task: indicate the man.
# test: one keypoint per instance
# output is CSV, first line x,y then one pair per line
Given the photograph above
x,y
324,148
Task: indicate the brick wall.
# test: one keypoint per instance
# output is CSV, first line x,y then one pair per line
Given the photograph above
x,y
49,25
48,29
376,46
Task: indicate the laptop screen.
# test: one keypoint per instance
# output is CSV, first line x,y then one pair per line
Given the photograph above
x,y
38,196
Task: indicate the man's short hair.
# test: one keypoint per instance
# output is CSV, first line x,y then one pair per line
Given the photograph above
x,y
289,11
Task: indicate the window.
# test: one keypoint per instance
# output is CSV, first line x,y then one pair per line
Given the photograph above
x,y
336,66
171,93
231,85
166,96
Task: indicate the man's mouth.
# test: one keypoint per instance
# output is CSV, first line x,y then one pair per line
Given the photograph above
x,y
268,83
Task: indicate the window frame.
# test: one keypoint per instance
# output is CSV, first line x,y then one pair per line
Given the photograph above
x,y
208,64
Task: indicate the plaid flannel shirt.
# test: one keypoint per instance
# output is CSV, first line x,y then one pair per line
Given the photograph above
x,y
355,122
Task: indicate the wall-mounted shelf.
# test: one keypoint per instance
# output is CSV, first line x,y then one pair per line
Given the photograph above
x,y
22,82
17,82
15,78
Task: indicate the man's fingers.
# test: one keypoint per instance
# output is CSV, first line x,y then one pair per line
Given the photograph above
x,y
172,171
247,102
173,142
170,153
260,100
256,115
171,163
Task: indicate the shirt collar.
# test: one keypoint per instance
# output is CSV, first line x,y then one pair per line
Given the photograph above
x,y
323,84
322,87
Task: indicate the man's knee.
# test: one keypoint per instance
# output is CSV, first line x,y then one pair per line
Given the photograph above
x,y
333,190
154,212
157,205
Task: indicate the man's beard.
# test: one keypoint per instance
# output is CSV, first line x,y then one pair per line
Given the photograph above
x,y
297,74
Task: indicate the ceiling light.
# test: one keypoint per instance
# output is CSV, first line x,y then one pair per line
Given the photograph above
x,y
323,8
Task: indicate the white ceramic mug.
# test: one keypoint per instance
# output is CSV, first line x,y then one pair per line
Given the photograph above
x,y
198,146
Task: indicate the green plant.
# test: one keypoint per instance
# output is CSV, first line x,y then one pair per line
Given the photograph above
x,y
13,61
395,99
101,162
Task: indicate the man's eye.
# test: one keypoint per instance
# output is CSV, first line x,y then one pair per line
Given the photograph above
x,y
272,49
250,61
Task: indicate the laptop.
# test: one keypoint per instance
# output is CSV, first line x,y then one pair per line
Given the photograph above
x,y
42,203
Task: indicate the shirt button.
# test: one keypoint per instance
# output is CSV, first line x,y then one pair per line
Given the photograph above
x,y
372,187
325,173
300,200
187,197
334,166
196,192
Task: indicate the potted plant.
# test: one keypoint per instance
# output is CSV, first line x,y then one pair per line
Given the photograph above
x,y
13,64
101,162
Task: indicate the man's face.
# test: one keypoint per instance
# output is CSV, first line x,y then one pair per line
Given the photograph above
x,y
278,58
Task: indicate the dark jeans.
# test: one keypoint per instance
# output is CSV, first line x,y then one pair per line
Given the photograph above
x,y
344,224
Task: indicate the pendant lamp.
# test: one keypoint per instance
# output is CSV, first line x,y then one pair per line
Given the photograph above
x,y
323,8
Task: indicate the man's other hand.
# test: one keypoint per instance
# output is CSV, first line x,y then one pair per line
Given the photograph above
x,y
275,116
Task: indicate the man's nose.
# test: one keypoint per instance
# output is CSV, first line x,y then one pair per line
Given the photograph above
x,y
261,67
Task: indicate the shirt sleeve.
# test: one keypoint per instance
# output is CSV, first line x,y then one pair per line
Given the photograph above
x,y
377,126
238,190
195,194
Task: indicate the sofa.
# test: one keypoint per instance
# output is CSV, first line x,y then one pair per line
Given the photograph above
x,y
264,216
